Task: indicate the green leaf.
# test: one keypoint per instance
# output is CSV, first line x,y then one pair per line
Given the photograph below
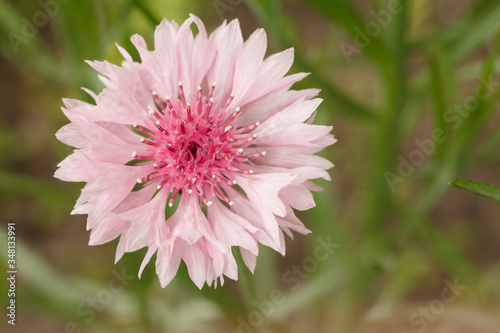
x,y
484,189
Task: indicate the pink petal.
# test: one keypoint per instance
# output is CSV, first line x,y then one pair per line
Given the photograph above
x,y
196,262
76,168
292,222
141,230
228,42
292,157
98,143
168,259
250,259
297,196
263,189
248,62
273,102
230,228
190,224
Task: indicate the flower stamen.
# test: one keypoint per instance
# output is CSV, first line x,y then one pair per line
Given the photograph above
x,y
193,147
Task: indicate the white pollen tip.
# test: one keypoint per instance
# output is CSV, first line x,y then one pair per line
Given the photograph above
x,y
232,94
188,104
170,204
167,98
139,180
240,150
190,191
211,99
231,139
157,122
257,123
264,153
209,203
250,171
155,93
141,139
134,154
238,109
231,203
228,128
235,182
134,125
179,84
158,186
213,176
255,136
214,84
199,87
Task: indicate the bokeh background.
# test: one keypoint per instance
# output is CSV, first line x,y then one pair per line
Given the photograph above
x,y
409,253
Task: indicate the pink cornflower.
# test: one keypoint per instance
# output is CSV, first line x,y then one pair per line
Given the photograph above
x,y
206,131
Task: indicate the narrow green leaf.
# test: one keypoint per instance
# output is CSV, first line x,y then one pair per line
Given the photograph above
x,y
484,189
481,113
443,85
440,85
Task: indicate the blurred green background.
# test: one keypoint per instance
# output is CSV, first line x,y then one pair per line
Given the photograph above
x,y
411,88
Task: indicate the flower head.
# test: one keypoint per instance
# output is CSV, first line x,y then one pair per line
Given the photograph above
x,y
203,130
